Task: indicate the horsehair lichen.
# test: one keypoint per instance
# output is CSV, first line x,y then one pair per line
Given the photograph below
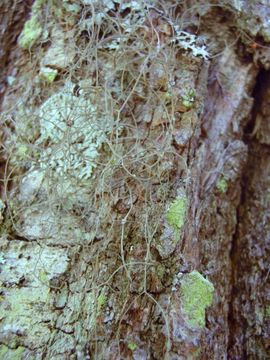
x,y
196,296
73,129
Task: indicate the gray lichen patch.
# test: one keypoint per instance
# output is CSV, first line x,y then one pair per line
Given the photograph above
x,y
21,259
63,343
73,129
75,132
31,185
62,52
39,224
26,275
54,227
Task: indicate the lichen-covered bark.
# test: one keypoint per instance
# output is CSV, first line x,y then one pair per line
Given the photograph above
x,y
222,155
135,202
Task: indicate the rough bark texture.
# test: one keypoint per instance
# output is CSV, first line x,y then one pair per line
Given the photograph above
x,y
175,209
250,249
12,18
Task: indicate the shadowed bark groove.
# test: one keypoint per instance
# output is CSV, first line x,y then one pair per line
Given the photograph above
x,y
249,327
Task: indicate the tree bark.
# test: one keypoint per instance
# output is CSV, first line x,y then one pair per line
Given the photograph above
x,y
157,247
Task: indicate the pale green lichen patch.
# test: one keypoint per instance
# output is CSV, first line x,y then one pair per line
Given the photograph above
x,y
222,185
32,29
177,212
267,311
132,346
36,7
17,354
27,309
175,218
31,32
188,99
22,150
23,310
69,6
101,301
3,351
196,296
48,74
11,354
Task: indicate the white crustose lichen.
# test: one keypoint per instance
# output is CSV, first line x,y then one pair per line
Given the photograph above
x,y
71,131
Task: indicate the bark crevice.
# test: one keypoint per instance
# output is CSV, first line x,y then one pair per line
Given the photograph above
x,y
247,329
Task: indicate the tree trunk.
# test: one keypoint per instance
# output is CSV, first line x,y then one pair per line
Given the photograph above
x,y
135,172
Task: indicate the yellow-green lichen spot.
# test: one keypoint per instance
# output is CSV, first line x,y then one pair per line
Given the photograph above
x,y
222,185
48,74
31,32
132,346
177,212
196,296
